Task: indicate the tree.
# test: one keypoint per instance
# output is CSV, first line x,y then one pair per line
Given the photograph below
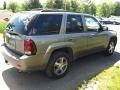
x,y
49,4
35,4
87,6
103,10
74,5
26,5
92,9
31,4
84,8
67,5
58,4
116,11
12,6
111,6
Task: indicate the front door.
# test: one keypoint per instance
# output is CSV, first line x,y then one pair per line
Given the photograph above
x,y
95,38
75,34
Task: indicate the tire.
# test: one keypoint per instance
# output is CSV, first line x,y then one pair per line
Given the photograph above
x,y
58,65
110,49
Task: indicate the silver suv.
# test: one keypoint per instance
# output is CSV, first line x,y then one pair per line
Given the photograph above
x,y
49,40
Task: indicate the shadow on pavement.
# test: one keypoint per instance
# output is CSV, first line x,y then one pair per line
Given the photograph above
x,y
81,70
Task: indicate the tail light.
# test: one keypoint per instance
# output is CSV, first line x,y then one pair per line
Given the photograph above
x,y
29,47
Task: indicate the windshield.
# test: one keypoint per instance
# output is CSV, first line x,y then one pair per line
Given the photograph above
x,y
18,23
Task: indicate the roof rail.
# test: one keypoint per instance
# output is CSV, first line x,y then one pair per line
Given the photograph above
x,y
48,10
37,9
54,10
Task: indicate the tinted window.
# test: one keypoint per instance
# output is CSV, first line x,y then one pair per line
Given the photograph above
x,y
91,23
18,23
74,24
45,24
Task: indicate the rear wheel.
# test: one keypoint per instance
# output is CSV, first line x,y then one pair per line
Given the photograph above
x,y
58,65
110,49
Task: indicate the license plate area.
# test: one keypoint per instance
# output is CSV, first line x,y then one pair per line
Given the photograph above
x,y
10,42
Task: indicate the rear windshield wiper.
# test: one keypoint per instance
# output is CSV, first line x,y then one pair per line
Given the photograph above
x,y
13,33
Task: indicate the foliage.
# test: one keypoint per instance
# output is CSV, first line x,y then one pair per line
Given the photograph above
x,y
1,8
84,6
116,10
111,6
58,4
87,6
67,5
104,10
13,6
31,4
26,5
49,4
92,9
74,6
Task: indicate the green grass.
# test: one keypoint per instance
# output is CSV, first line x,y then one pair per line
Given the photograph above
x,y
2,27
107,80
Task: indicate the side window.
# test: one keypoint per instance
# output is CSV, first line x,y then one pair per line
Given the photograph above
x,y
45,24
74,24
91,23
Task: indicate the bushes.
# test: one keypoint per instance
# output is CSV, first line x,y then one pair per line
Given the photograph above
x,y
25,5
12,6
28,5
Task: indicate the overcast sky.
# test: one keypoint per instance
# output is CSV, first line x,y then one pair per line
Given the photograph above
x,y
43,1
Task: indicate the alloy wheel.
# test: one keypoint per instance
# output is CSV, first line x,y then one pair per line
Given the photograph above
x,y
60,65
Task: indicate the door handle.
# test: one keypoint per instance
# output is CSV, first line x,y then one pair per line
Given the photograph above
x,y
70,39
92,35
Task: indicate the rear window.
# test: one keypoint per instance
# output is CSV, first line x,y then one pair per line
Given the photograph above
x,y
45,24
18,23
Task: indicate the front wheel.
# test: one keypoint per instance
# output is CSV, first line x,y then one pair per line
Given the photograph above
x,y
58,65
110,49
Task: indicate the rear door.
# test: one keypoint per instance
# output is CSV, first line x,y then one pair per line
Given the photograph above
x,y
45,31
75,34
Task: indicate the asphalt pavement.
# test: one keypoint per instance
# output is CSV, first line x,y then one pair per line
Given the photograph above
x,y
82,69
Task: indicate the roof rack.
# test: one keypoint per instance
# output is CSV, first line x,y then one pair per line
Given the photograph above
x,y
54,10
48,10
37,9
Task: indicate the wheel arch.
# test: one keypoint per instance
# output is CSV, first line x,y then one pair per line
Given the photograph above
x,y
63,47
114,38
67,50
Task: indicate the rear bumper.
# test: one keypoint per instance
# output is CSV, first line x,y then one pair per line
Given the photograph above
x,y
23,62
13,58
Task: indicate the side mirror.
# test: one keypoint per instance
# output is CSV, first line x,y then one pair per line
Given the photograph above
x,y
104,28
